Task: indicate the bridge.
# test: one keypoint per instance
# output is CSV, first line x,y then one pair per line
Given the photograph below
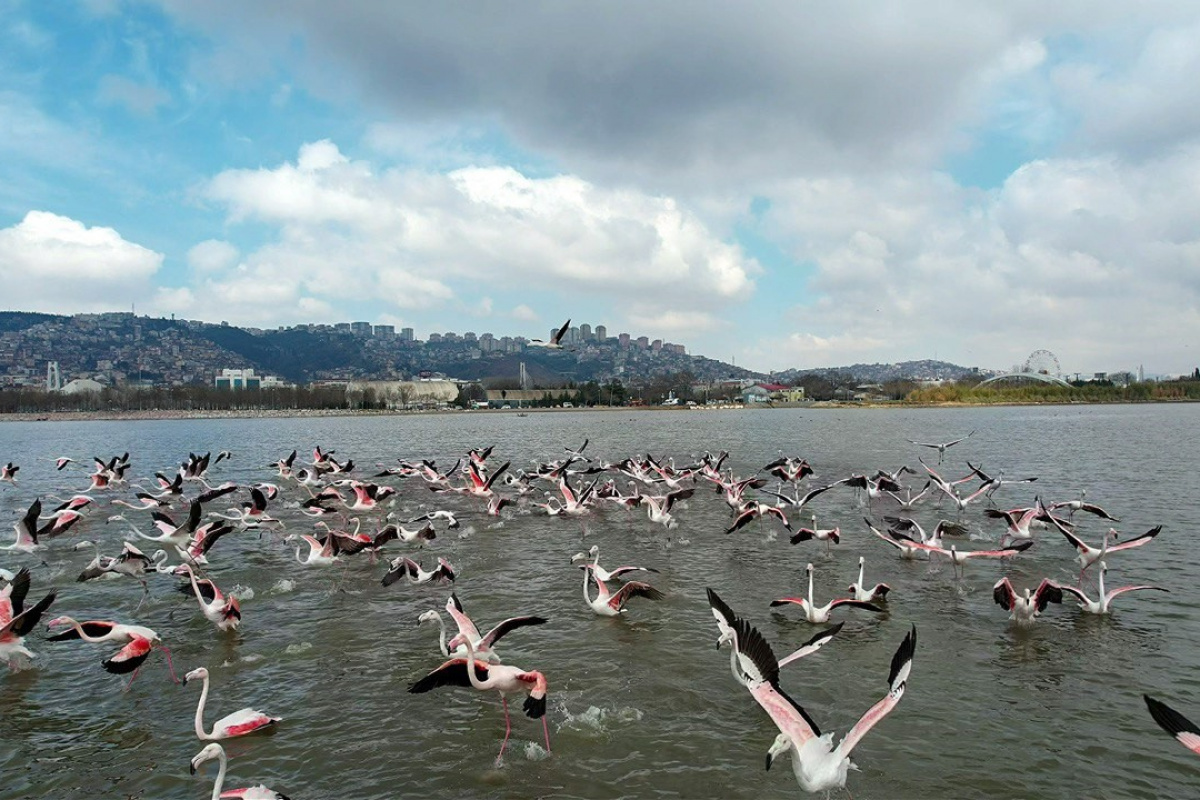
x,y
1041,367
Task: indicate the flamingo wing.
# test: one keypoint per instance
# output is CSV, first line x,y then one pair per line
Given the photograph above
x,y
634,589
129,657
240,723
1137,541
897,681
93,629
850,601
451,673
1047,592
1174,723
1003,594
812,645
1123,589
510,624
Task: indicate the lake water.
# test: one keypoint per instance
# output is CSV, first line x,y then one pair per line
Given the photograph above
x,y
640,706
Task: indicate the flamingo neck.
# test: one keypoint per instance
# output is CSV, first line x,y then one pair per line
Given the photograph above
x,y
200,734
478,684
861,568
223,765
810,588
83,635
442,635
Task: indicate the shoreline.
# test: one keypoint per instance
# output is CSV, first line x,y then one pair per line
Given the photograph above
x,y
160,414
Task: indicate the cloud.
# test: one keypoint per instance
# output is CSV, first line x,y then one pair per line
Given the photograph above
x,y
56,264
524,313
1091,258
212,255
416,240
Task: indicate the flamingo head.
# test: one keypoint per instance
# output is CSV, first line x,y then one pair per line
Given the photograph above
x,y
579,557
780,746
809,568
428,616
58,621
727,636
198,674
210,752
1112,534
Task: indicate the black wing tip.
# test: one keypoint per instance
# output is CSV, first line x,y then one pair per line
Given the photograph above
x,y
535,707
904,654
1168,718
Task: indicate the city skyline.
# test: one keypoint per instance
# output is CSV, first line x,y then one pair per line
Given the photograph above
x,y
789,186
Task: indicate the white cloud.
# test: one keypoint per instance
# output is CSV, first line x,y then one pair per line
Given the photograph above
x,y
524,313
1093,259
212,255
53,263
416,240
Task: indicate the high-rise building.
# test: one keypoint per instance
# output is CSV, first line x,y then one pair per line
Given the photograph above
x,y
601,333
585,332
360,328
469,336
435,338
406,334
643,342
623,340
387,331
656,344
342,327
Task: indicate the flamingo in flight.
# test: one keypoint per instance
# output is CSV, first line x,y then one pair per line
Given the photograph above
x,y
610,604
941,447
555,342
239,723
1103,605
405,567
958,557
219,792
504,679
467,630
1088,555
725,624
820,614
817,764
906,551
138,642
8,473
752,509
825,535
17,621
1026,609
600,572
27,530
1174,723
1078,504
223,611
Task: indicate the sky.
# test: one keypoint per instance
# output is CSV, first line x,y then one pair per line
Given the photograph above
x,y
777,184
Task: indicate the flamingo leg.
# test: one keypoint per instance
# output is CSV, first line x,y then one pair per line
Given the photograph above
x,y
132,678
546,731
170,667
507,729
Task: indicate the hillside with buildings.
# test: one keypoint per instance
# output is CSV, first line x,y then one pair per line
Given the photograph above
x,y
121,349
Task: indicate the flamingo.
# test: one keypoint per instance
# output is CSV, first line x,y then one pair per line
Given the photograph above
x,y
820,614
608,604
17,621
906,551
753,509
1174,723
413,572
826,535
239,723
467,630
139,642
1103,605
8,473
941,447
1078,504
801,502
600,572
504,679
132,562
214,750
555,342
1019,523
993,484
1088,555
816,763
910,500
859,588
658,507
27,530
320,554
960,558
725,624
223,611
1026,609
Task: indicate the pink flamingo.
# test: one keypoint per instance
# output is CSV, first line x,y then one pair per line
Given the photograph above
x,y
239,723
214,750
492,677
17,621
138,641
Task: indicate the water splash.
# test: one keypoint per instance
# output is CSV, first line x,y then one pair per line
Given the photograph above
x,y
535,752
600,720
292,649
283,587
242,592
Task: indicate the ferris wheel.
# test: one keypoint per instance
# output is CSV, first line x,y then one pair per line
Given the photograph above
x,y
1042,362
